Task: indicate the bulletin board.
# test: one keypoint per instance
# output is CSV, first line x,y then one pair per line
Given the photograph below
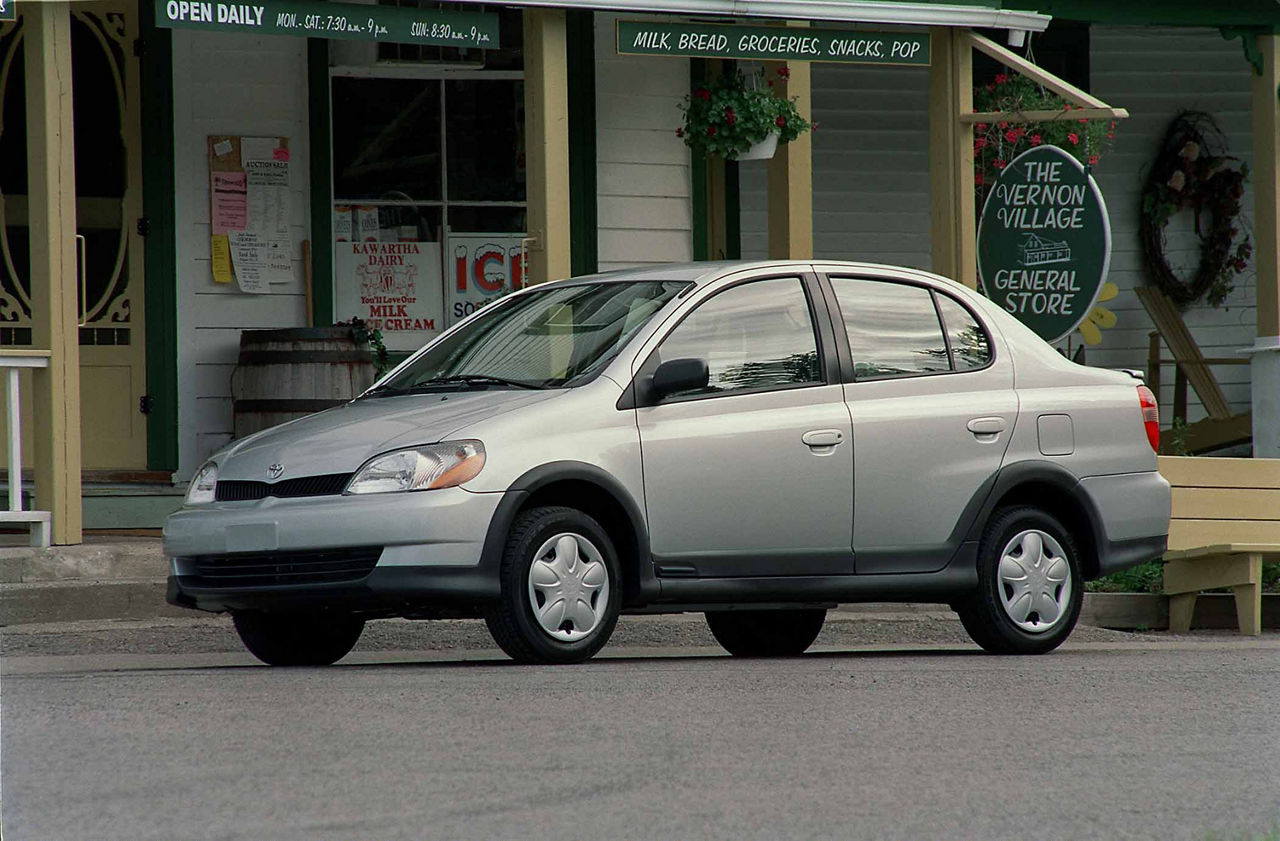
x,y
249,180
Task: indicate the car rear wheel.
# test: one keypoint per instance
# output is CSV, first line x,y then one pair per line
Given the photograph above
x,y
1029,585
561,591
766,633
298,638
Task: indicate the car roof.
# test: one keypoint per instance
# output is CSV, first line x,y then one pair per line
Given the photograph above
x,y
705,272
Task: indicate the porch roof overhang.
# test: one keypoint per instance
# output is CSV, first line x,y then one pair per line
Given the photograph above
x,y
909,12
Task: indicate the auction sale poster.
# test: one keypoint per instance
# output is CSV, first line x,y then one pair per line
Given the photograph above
x,y
394,286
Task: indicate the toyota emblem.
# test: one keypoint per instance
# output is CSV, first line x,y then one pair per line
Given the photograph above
x,y
275,471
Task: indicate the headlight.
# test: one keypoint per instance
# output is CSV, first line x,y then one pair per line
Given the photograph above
x,y
200,491
420,468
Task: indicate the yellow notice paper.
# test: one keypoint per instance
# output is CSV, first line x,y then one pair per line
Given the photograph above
x,y
220,249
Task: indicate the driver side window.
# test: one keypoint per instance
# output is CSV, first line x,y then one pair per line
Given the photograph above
x,y
755,336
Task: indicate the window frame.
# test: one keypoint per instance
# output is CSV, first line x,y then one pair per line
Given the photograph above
x,y
639,395
847,362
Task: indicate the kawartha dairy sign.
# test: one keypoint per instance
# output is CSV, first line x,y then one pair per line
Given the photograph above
x,y
1044,242
394,286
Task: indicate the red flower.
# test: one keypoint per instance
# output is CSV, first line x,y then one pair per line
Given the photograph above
x,y
1113,125
1093,159
980,127
1011,136
784,72
1002,126
980,143
1074,138
1084,122
977,178
1111,135
770,83
999,164
711,131
703,93
1001,78
729,117
990,88
780,122
1035,140
679,132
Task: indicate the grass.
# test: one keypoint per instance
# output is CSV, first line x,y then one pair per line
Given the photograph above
x,y
1146,578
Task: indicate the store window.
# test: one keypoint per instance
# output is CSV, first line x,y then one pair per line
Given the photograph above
x,y
429,209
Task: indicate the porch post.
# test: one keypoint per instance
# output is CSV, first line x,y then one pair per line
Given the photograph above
x,y
954,232
54,276
1265,365
546,119
791,170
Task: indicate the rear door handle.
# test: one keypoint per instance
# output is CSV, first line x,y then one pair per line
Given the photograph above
x,y
986,426
822,437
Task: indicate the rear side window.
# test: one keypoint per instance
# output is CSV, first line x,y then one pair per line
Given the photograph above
x,y
970,347
893,328
754,336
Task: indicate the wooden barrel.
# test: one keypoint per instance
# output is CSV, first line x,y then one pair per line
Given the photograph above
x,y
288,373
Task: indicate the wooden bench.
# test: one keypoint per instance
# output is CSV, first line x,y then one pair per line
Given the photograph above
x,y
1226,520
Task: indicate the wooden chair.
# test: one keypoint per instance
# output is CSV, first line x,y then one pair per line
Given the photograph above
x,y
1221,428
1226,521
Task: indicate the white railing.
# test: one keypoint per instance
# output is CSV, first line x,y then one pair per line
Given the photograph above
x,y
12,360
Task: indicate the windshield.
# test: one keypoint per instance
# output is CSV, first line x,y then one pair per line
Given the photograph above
x,y
542,339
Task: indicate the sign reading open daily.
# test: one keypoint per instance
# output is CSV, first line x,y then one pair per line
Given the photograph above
x,y
350,21
1044,242
703,40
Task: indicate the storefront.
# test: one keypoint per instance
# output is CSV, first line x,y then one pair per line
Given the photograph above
x,y
285,163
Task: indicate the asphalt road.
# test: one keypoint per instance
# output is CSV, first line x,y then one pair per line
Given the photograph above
x,y
1112,737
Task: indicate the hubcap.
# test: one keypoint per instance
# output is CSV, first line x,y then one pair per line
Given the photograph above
x,y
568,587
1035,581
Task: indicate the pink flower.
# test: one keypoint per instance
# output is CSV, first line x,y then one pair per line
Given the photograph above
x,y
780,122
1111,135
999,164
1093,159
1074,138
1001,78
729,117
1011,136
711,131
977,178
1002,126
784,72
980,143
703,94
1035,140
1084,122
980,127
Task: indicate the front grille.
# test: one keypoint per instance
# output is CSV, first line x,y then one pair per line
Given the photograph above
x,y
329,484
268,569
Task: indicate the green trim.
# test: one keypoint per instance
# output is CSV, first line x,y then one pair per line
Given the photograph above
x,y
321,181
698,172
161,260
1248,41
1157,12
584,235
732,212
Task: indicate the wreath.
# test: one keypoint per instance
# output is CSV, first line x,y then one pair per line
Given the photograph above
x,y
1193,172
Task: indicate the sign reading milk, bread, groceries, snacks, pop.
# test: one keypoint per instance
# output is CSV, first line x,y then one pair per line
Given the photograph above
x,y
1044,242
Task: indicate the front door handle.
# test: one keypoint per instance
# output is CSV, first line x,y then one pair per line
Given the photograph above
x,y
986,426
822,437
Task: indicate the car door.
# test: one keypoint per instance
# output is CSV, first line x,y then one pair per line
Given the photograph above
x,y
933,408
752,475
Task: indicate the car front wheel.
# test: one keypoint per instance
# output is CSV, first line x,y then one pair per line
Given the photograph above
x,y
298,638
766,633
561,591
1029,584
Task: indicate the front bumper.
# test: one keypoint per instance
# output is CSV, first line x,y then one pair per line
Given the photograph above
x,y
431,546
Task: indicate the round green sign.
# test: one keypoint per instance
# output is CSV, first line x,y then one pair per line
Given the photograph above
x,y
1044,242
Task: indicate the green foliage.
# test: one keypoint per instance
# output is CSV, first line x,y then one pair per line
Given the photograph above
x,y
728,117
1144,578
362,334
1178,439
996,144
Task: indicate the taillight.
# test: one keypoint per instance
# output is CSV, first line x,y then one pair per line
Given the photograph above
x,y
1150,416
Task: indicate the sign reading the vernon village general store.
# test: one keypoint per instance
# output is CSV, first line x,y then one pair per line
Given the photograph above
x,y
702,40
311,18
1044,242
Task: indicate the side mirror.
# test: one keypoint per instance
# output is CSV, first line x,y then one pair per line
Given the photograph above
x,y
679,375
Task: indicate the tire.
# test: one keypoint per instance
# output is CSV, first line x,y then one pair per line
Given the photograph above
x,y
1006,616
298,638
561,588
766,633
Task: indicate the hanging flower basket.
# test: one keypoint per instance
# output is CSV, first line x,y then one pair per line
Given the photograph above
x,y
736,113
995,144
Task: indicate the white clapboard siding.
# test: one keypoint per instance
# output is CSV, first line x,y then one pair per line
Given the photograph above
x,y
642,168
1155,72
870,165
250,86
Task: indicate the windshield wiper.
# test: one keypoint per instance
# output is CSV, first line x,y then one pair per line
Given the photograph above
x,y
477,379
